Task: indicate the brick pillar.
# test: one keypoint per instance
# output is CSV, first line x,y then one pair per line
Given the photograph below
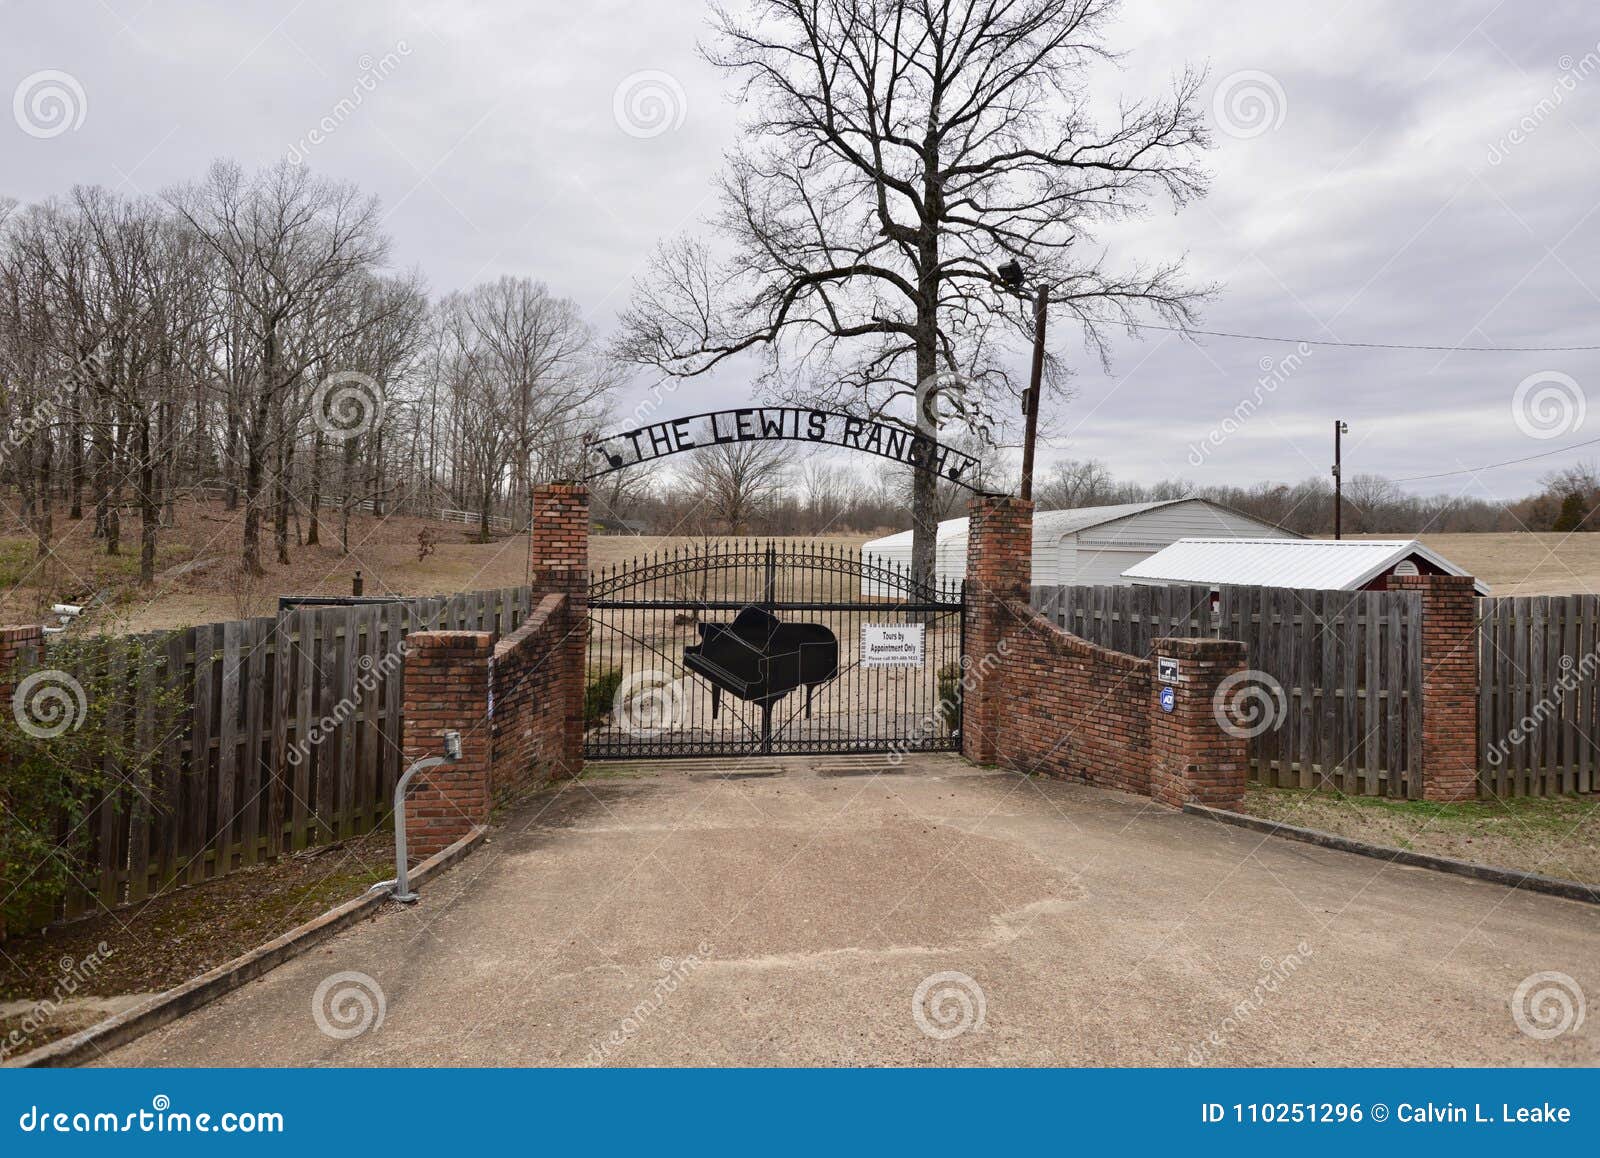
x,y
20,649
1449,684
446,687
1192,755
999,568
558,562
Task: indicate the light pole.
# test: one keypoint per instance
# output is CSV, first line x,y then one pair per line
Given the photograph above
x,y
1339,430
1011,274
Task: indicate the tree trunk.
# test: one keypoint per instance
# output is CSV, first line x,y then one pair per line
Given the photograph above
x,y
149,507
312,537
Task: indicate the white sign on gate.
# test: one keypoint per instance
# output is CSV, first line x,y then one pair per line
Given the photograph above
x,y
885,645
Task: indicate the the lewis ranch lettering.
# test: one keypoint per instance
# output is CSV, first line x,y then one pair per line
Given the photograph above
x,y
781,423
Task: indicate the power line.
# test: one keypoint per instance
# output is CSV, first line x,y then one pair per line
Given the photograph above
x,y
1371,345
1493,465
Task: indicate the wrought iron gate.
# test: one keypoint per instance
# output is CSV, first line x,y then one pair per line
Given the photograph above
x,y
749,648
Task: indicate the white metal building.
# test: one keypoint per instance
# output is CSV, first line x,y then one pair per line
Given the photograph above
x,y
1085,544
1320,564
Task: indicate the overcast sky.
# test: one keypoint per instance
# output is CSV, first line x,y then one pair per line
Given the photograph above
x,y
1385,172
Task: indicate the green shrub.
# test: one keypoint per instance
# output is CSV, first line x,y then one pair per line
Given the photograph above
x,y
599,694
72,744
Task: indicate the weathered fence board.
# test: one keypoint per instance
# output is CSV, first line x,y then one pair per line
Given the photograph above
x,y
286,734
1341,672
1539,695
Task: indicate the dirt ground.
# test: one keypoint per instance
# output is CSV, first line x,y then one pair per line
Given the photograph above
x,y
119,956
1557,836
198,579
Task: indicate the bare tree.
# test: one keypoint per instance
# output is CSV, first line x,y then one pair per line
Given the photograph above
x,y
734,481
286,241
894,157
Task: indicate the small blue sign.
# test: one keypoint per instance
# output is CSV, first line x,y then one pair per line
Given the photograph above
x,y
1168,698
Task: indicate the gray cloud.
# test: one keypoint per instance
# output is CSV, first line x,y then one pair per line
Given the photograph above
x,y
1432,179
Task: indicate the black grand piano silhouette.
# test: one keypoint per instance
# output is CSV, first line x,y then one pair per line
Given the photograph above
x,y
761,659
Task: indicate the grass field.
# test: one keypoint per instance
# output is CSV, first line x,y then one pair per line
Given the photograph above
x,y
198,579
1522,563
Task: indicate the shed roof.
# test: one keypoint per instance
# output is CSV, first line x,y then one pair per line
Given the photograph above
x,y
1322,564
1045,523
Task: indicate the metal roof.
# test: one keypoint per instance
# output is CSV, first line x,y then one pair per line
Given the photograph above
x,y
1046,524
1321,564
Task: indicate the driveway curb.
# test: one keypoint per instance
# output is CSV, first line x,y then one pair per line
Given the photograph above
x,y
1511,878
201,990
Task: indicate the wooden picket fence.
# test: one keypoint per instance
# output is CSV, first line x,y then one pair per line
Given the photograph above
x,y
1538,707
1341,672
287,735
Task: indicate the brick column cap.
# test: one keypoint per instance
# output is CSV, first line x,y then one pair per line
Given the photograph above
x,y
1190,647
462,640
999,502
1424,582
20,632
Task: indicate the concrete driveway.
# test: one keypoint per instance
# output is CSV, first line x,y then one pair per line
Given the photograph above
x,y
813,911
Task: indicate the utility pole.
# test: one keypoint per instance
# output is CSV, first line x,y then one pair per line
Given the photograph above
x,y
1030,401
1339,430
1012,275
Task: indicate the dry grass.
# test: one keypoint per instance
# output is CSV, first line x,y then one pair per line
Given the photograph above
x,y
1522,563
198,579
1558,836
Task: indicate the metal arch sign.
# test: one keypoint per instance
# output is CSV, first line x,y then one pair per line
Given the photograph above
x,y
782,424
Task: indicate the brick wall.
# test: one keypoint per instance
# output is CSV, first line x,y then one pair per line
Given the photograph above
x,y
1193,756
1041,700
999,570
558,561
518,702
1449,684
446,688
1070,708
531,692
